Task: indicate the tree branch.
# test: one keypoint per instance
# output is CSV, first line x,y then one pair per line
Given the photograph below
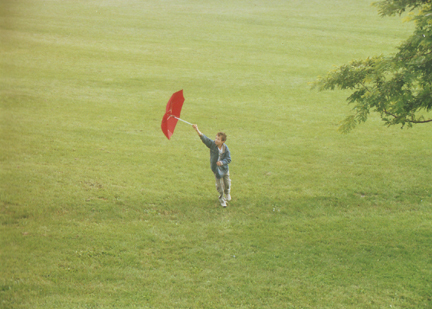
x,y
411,121
390,114
422,121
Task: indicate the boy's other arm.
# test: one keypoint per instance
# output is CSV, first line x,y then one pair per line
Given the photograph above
x,y
227,159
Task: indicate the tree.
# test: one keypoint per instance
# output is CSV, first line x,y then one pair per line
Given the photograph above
x,y
398,87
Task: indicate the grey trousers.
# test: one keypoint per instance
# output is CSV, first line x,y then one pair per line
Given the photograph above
x,y
223,185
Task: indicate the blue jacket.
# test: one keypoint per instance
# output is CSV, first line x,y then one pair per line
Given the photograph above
x,y
219,171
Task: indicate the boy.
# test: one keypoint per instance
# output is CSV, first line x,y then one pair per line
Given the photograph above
x,y
220,157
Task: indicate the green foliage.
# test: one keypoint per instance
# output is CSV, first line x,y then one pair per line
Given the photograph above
x,y
399,87
392,7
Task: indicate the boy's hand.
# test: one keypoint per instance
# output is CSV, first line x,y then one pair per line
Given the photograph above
x,y
219,163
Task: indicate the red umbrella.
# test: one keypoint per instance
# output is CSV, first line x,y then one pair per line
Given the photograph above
x,y
172,114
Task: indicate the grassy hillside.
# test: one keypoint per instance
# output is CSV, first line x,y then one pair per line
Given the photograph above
x,y
99,210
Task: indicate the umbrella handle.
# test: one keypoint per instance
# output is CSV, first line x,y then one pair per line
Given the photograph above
x,y
181,120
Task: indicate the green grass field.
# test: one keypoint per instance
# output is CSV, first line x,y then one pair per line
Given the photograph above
x,y
99,210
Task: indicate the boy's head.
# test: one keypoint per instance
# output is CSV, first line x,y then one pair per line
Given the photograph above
x,y
220,138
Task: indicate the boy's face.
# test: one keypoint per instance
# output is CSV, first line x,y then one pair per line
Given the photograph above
x,y
218,141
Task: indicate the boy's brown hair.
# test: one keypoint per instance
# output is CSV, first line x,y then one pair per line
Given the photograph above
x,y
222,136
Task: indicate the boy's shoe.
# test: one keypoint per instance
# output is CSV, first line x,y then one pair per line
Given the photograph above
x,y
228,197
222,201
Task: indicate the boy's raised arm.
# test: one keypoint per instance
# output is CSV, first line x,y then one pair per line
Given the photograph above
x,y
208,142
197,130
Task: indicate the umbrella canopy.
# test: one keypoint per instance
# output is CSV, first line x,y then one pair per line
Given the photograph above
x,y
172,113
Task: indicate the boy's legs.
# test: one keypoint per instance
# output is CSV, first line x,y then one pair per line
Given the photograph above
x,y
227,187
223,186
220,187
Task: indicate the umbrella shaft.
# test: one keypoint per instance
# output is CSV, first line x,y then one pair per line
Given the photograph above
x,y
182,120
